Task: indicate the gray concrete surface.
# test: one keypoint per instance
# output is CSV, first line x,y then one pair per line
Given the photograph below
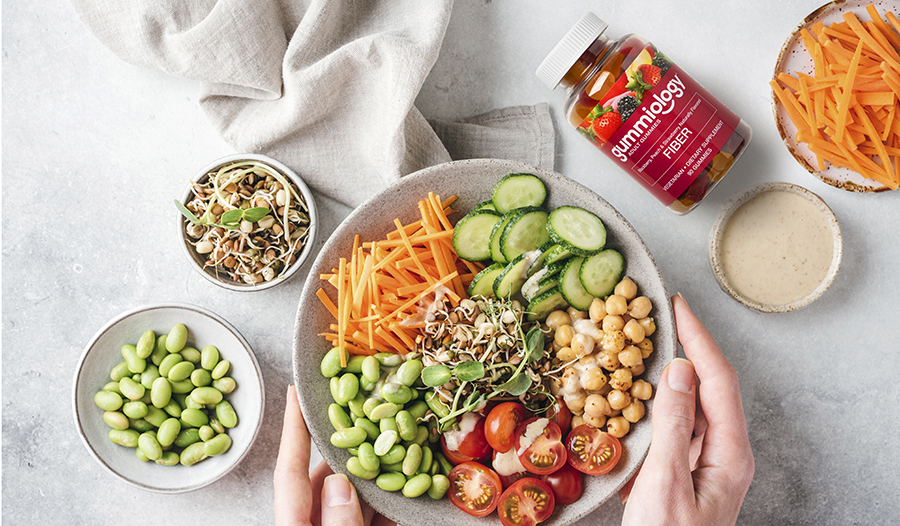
x,y
94,151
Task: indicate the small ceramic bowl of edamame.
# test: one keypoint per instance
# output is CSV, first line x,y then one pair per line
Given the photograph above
x,y
204,437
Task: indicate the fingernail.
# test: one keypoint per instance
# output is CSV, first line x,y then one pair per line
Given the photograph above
x,y
681,375
682,299
337,490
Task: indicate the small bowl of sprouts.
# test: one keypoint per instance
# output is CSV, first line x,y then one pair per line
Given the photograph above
x,y
247,221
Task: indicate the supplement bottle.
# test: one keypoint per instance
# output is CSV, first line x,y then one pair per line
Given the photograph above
x,y
645,112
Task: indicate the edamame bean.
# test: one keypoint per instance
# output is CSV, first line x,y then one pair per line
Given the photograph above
x,y
206,395
146,344
209,357
115,420
159,352
369,405
444,464
418,409
119,371
417,485
354,364
155,415
201,378
124,437
108,400
372,430
384,410
135,409
217,446
412,460
216,425
385,442
334,386
371,369
134,362
191,417
356,469
331,363
355,405
189,402
169,431
367,457
440,484
226,384
225,414
387,424
173,409
391,481
366,385
150,446
182,387
338,417
160,392
140,455
421,435
190,355
437,407
409,372
168,458
427,458
207,433
394,455
150,374
131,389
112,386
406,425
177,338
387,359
393,468
168,362
180,371
348,437
187,437
396,393
347,389
192,454
221,369
140,425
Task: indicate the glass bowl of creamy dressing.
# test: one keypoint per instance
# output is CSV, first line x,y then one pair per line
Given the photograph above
x,y
776,247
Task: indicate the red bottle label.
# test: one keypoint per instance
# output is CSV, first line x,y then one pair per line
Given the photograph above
x,y
660,125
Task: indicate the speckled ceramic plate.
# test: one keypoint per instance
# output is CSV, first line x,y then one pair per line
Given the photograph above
x,y
471,181
793,58
102,353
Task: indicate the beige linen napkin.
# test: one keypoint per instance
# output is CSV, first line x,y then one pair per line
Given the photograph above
x,y
325,86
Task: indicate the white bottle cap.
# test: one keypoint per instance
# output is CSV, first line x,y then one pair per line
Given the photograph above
x,y
570,48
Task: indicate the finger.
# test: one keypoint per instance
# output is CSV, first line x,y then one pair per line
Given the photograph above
x,y
293,497
340,505
673,422
317,480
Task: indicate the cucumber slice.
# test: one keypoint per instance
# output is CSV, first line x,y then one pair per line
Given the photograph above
x,y
601,272
539,262
525,231
541,306
576,229
472,235
517,191
483,282
557,253
570,285
539,283
509,282
496,234
485,205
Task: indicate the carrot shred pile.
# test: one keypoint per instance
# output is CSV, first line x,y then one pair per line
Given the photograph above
x,y
384,288
847,111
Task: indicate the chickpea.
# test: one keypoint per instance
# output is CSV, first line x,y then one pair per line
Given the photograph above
x,y
617,426
613,323
564,334
646,347
571,381
566,354
640,307
626,288
634,412
616,305
596,405
588,361
593,379
594,421
588,327
598,310
582,344
630,356
637,370
609,360
576,314
575,402
577,420
641,390
620,379
603,391
557,319
633,331
649,325
555,346
612,341
618,399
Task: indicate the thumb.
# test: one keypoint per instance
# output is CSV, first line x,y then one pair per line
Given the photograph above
x,y
340,505
674,410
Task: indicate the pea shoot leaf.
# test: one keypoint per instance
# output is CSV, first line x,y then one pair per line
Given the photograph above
x,y
255,214
435,375
469,371
517,385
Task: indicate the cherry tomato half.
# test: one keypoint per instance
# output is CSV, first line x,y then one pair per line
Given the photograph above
x,y
539,446
469,438
501,423
561,416
474,488
592,451
508,467
526,503
567,484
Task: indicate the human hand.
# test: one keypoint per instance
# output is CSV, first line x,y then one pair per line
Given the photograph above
x,y
320,498
700,465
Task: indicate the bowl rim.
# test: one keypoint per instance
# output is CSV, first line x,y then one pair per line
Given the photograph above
x,y
257,425
728,209
312,229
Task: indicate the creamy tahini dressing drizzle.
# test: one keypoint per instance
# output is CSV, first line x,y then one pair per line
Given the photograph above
x,y
776,248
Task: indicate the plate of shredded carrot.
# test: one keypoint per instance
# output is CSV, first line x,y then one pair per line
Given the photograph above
x,y
836,94
375,277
